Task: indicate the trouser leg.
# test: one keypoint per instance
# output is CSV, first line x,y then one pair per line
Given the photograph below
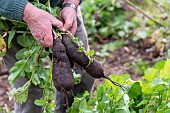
x,y
86,80
34,92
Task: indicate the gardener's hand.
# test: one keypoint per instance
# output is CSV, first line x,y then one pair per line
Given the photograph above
x,y
68,16
40,24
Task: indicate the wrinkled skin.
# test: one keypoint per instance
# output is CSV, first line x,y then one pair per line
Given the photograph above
x,y
40,24
69,19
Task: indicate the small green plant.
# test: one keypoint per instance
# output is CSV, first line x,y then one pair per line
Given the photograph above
x,y
139,66
148,95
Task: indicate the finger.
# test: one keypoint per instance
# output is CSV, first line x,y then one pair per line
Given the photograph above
x,y
58,24
48,39
74,27
54,34
41,42
60,17
39,39
63,30
68,22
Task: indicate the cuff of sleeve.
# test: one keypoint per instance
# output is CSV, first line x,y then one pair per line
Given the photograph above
x,y
54,3
19,6
61,2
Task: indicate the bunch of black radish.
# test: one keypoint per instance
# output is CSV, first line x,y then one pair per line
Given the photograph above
x,y
65,50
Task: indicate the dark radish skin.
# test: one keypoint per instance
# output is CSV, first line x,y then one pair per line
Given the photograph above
x,y
72,51
61,74
95,69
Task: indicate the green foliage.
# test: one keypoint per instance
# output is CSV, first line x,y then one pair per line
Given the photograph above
x,y
112,20
3,25
103,19
11,36
25,40
2,110
109,19
111,46
40,102
139,66
150,94
2,46
20,93
77,77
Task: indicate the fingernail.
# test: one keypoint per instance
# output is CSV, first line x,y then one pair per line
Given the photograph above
x,y
63,29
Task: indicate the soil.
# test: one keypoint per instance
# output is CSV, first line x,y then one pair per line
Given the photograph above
x,y
122,60
4,89
127,59
130,58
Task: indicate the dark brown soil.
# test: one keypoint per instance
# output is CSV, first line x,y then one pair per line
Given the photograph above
x,y
130,58
4,89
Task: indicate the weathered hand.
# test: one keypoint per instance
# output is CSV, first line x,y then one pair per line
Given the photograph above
x,y
69,18
40,24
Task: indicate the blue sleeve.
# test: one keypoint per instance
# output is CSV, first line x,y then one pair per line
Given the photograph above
x,y
12,9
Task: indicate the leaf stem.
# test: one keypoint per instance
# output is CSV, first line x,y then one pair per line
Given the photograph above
x,y
39,56
48,79
15,21
49,6
115,83
26,61
142,12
